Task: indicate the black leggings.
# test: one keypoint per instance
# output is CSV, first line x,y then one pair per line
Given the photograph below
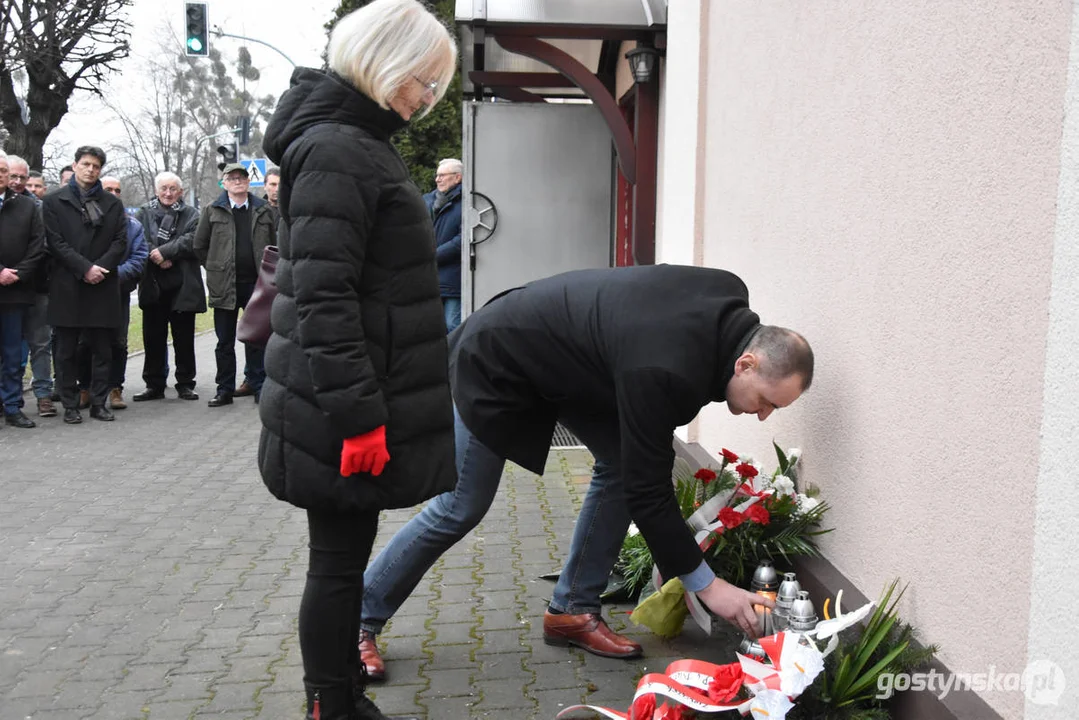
x,y
340,546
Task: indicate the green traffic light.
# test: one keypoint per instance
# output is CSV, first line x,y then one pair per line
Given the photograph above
x,y
194,44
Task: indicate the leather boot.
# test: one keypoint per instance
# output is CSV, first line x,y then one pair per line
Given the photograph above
x,y
329,703
365,708
370,657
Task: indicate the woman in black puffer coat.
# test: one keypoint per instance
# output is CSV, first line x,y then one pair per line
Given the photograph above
x,y
356,407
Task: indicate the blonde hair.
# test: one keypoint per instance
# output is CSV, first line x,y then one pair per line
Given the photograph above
x,y
388,43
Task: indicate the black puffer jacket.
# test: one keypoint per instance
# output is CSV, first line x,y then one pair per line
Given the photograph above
x,y
358,331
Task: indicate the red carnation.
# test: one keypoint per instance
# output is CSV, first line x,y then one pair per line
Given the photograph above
x,y
746,470
758,514
705,475
643,708
726,683
731,518
731,457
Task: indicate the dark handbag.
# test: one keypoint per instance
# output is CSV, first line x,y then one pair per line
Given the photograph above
x,y
254,326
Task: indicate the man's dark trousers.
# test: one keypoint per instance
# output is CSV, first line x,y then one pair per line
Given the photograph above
x,y
118,364
156,320
99,340
225,327
11,370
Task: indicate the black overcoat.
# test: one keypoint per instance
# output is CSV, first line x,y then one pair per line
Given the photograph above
x,y
359,339
647,347
74,247
181,251
22,247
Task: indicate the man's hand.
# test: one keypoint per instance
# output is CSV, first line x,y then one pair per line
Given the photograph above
x,y
95,274
9,276
165,264
734,605
156,257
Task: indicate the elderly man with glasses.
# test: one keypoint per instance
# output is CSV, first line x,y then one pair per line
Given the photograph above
x,y
444,204
229,240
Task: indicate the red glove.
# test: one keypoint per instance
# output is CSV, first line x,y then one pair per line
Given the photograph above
x,y
365,453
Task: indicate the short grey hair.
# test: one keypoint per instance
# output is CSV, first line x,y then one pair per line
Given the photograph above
x,y
452,164
388,43
785,353
16,160
103,178
166,176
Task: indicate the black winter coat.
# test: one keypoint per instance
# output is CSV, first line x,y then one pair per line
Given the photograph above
x,y
75,247
358,332
22,247
180,250
647,346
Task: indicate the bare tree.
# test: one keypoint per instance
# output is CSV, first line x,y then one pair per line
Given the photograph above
x,y
61,47
171,122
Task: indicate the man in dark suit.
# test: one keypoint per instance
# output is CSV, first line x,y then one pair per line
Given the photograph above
x,y
621,357
86,234
22,248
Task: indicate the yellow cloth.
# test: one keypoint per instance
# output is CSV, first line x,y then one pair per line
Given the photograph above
x,y
664,612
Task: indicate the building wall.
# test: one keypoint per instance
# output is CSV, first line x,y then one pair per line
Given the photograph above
x,y
884,177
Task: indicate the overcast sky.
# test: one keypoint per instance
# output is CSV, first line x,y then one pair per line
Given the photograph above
x,y
294,26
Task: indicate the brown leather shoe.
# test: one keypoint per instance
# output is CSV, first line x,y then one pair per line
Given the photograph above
x,y
84,399
116,399
45,408
376,668
589,632
244,390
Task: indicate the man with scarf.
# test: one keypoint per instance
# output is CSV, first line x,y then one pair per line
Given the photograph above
x,y
444,204
171,291
86,235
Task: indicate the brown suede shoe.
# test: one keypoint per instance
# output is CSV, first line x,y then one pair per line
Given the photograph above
x,y
589,632
84,399
376,669
244,390
116,399
45,408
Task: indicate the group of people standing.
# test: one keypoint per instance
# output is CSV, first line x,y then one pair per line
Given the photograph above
x,y
70,260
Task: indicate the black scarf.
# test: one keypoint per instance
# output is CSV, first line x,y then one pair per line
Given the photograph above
x,y
92,213
168,216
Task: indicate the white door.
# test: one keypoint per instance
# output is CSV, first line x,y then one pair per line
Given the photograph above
x,y
537,195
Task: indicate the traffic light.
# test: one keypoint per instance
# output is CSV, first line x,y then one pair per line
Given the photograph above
x,y
229,152
244,130
198,35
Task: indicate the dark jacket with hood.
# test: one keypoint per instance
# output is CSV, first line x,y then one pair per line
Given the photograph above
x,y
183,281
75,246
647,347
22,247
447,220
358,331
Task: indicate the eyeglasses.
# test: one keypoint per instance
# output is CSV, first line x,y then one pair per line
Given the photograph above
x,y
449,174
18,177
431,87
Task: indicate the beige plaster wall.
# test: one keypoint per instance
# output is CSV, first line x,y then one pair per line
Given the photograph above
x,y
884,176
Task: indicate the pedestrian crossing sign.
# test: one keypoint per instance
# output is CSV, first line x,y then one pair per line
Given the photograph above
x,y
256,171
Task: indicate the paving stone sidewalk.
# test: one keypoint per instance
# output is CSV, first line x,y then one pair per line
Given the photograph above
x,y
145,572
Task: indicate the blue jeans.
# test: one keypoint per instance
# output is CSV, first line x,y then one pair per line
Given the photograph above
x,y
451,307
11,357
597,538
37,337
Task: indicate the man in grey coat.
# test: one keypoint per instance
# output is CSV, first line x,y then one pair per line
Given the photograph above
x,y
231,235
